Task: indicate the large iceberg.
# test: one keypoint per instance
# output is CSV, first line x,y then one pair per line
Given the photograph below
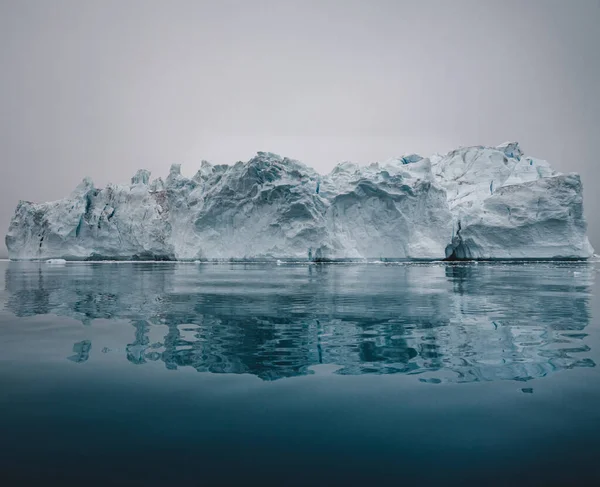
x,y
472,203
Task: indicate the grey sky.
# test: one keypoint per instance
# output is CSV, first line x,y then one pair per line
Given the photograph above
x,y
102,88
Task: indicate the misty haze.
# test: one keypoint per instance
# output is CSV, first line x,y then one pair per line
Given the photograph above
x,y
299,242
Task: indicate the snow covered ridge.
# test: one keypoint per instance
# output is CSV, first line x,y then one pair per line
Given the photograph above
x,y
472,203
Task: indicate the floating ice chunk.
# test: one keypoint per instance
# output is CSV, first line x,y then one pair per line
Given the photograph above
x,y
56,261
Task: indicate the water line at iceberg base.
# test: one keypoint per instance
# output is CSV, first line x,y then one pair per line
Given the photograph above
x,y
474,203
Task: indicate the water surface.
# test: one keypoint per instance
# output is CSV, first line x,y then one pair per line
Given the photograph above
x,y
147,373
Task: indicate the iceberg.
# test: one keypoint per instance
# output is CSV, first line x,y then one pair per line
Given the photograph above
x,y
472,203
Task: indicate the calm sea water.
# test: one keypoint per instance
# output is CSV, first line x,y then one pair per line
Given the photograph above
x,y
168,374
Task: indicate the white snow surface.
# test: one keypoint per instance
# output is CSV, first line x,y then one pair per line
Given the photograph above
x,y
472,203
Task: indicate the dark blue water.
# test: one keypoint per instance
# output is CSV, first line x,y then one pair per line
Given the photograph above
x,y
428,374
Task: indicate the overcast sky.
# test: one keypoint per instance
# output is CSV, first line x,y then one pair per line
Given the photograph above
x,y
102,88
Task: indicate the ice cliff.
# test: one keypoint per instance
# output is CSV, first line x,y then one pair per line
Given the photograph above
x,y
472,203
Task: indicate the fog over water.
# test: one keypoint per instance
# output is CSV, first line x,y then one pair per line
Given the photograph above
x,y
102,88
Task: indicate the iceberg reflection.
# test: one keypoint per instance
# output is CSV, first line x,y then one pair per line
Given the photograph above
x,y
458,323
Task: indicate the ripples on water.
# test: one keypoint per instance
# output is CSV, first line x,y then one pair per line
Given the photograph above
x,y
440,322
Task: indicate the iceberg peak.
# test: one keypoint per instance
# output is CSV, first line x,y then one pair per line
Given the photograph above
x,y
142,176
206,169
269,157
175,171
411,158
157,185
84,186
511,149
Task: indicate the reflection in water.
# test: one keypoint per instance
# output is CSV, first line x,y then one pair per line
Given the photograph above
x,y
457,323
82,351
